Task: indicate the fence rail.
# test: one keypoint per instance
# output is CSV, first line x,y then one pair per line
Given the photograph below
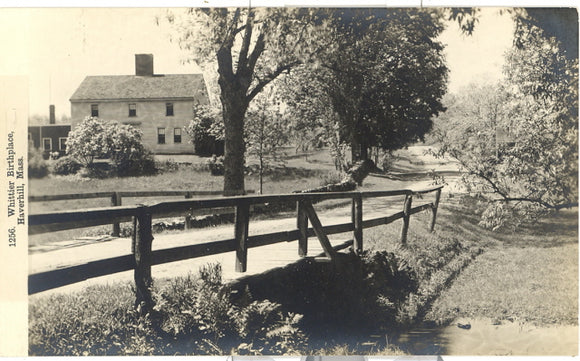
x,y
116,201
143,257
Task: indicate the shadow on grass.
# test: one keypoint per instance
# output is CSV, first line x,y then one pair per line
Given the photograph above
x,y
291,173
336,298
553,230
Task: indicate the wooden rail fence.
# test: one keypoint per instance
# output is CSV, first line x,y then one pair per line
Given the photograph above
x,y
143,258
117,199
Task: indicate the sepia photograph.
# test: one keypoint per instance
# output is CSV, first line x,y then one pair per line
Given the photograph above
x,y
322,182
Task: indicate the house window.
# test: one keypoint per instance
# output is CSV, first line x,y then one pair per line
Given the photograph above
x,y
177,135
132,110
160,135
47,144
94,110
62,143
169,109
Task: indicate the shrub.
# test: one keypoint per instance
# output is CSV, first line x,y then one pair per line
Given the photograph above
x,y
37,166
66,165
216,165
136,164
206,131
167,166
198,313
127,152
88,141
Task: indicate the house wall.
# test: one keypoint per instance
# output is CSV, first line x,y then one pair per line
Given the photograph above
x,y
151,115
36,134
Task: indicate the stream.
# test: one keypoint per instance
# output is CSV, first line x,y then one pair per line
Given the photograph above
x,y
482,337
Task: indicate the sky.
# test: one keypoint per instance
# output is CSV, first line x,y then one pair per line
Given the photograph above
x,y
57,47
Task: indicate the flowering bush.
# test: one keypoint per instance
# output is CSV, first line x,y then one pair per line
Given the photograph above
x,y
94,138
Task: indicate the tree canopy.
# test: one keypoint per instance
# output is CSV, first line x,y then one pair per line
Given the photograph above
x,y
386,82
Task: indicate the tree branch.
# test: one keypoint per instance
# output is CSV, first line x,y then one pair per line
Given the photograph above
x,y
242,60
258,50
270,77
231,32
540,202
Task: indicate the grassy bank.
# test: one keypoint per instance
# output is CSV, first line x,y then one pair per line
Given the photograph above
x,y
529,276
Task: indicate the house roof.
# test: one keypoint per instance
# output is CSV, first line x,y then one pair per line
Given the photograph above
x,y
112,87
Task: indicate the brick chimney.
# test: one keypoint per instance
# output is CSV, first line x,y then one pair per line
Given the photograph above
x,y
144,64
51,116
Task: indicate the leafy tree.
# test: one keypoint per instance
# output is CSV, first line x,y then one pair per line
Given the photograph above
x,y
252,47
383,81
265,133
312,122
535,167
391,83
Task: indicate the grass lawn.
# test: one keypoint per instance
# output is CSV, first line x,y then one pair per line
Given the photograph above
x,y
528,276
298,174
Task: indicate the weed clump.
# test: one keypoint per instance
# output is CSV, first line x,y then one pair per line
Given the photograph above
x,y
193,315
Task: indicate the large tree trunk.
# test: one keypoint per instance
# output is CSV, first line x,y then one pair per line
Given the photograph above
x,y
358,146
235,147
234,105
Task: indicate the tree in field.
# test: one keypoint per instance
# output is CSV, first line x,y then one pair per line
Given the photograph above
x,y
518,142
252,47
382,82
266,132
311,119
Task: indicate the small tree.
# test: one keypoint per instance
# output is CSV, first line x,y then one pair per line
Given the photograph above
x,y
265,133
127,151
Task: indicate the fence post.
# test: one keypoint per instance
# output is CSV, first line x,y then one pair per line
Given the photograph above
x,y
188,217
357,216
435,207
241,235
115,202
302,225
142,239
406,218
